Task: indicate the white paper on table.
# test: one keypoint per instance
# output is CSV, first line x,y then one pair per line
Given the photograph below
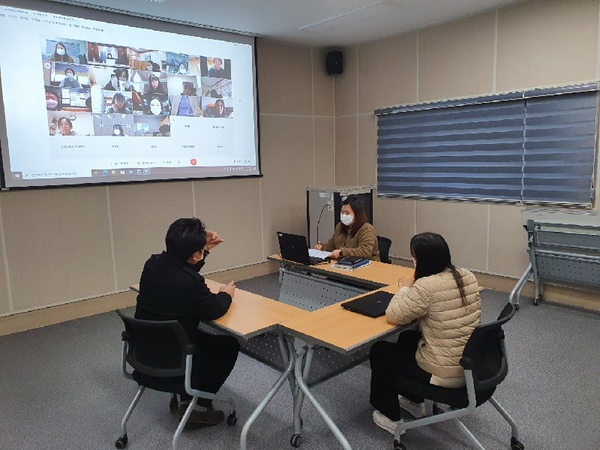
x,y
318,253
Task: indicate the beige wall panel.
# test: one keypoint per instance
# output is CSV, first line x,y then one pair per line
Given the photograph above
x,y
394,219
58,245
284,78
4,306
367,150
463,225
231,208
324,152
322,85
508,242
287,165
345,151
346,99
543,43
141,215
456,59
387,72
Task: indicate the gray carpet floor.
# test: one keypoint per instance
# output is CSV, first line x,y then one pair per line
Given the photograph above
x,y
61,388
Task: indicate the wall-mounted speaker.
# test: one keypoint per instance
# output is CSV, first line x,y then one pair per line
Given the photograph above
x,y
333,63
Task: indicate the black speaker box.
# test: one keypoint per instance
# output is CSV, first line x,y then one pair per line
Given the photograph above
x,y
333,63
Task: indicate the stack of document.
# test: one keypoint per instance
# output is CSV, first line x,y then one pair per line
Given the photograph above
x,y
351,263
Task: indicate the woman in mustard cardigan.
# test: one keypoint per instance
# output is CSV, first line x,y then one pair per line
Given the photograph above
x,y
354,235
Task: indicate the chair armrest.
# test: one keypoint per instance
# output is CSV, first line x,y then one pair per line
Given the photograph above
x,y
466,363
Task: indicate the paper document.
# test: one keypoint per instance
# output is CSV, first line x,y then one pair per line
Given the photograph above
x,y
318,253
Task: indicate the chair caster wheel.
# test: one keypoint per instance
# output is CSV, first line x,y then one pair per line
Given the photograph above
x,y
121,442
517,307
174,403
399,445
296,440
231,419
515,444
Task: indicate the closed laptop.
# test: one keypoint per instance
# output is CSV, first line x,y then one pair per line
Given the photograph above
x,y
371,305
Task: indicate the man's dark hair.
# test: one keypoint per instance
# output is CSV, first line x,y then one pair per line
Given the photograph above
x,y
185,237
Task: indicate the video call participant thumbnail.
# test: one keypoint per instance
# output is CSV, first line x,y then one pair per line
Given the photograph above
x,y
65,127
155,86
187,104
60,54
70,81
118,105
119,81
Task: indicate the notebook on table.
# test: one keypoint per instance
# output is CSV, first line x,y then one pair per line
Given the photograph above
x,y
294,248
371,305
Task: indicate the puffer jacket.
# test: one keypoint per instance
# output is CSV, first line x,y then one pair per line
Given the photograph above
x,y
445,323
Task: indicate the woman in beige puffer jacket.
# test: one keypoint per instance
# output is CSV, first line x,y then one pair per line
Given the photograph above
x,y
444,300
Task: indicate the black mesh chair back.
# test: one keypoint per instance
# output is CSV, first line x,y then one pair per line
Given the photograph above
x,y
384,245
155,348
485,353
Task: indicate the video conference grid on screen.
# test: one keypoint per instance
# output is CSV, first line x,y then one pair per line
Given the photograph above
x,y
123,104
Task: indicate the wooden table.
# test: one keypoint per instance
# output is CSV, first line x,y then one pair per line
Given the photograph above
x,y
339,329
376,272
250,315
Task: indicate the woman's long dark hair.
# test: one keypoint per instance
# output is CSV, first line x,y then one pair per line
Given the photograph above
x,y
360,217
62,58
433,256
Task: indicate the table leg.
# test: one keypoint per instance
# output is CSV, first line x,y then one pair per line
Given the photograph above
x,y
306,356
288,356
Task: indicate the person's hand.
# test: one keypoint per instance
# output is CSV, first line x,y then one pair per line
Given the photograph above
x,y
318,246
212,240
335,254
408,282
229,288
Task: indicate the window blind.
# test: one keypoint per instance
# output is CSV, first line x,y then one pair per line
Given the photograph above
x,y
527,147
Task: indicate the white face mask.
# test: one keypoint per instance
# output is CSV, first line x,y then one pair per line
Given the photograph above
x,y
60,51
155,109
70,76
346,219
117,132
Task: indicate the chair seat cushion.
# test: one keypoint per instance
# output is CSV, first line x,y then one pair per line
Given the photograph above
x,y
174,385
456,398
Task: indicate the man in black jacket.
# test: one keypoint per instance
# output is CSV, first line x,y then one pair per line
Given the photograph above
x,y
172,289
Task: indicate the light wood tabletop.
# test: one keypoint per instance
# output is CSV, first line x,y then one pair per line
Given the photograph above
x,y
250,314
339,329
378,272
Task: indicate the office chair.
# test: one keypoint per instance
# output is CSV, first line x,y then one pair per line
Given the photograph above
x,y
384,245
485,365
161,355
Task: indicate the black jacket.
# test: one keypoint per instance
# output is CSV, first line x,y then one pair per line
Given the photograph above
x,y
170,289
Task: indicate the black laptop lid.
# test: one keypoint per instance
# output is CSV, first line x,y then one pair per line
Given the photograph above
x,y
372,305
293,247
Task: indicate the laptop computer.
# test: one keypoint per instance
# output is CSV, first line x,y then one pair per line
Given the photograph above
x,y
294,248
371,305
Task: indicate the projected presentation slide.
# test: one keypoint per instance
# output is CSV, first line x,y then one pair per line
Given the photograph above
x,y
122,103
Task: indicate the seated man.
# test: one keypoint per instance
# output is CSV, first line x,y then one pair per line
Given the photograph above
x,y
172,289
